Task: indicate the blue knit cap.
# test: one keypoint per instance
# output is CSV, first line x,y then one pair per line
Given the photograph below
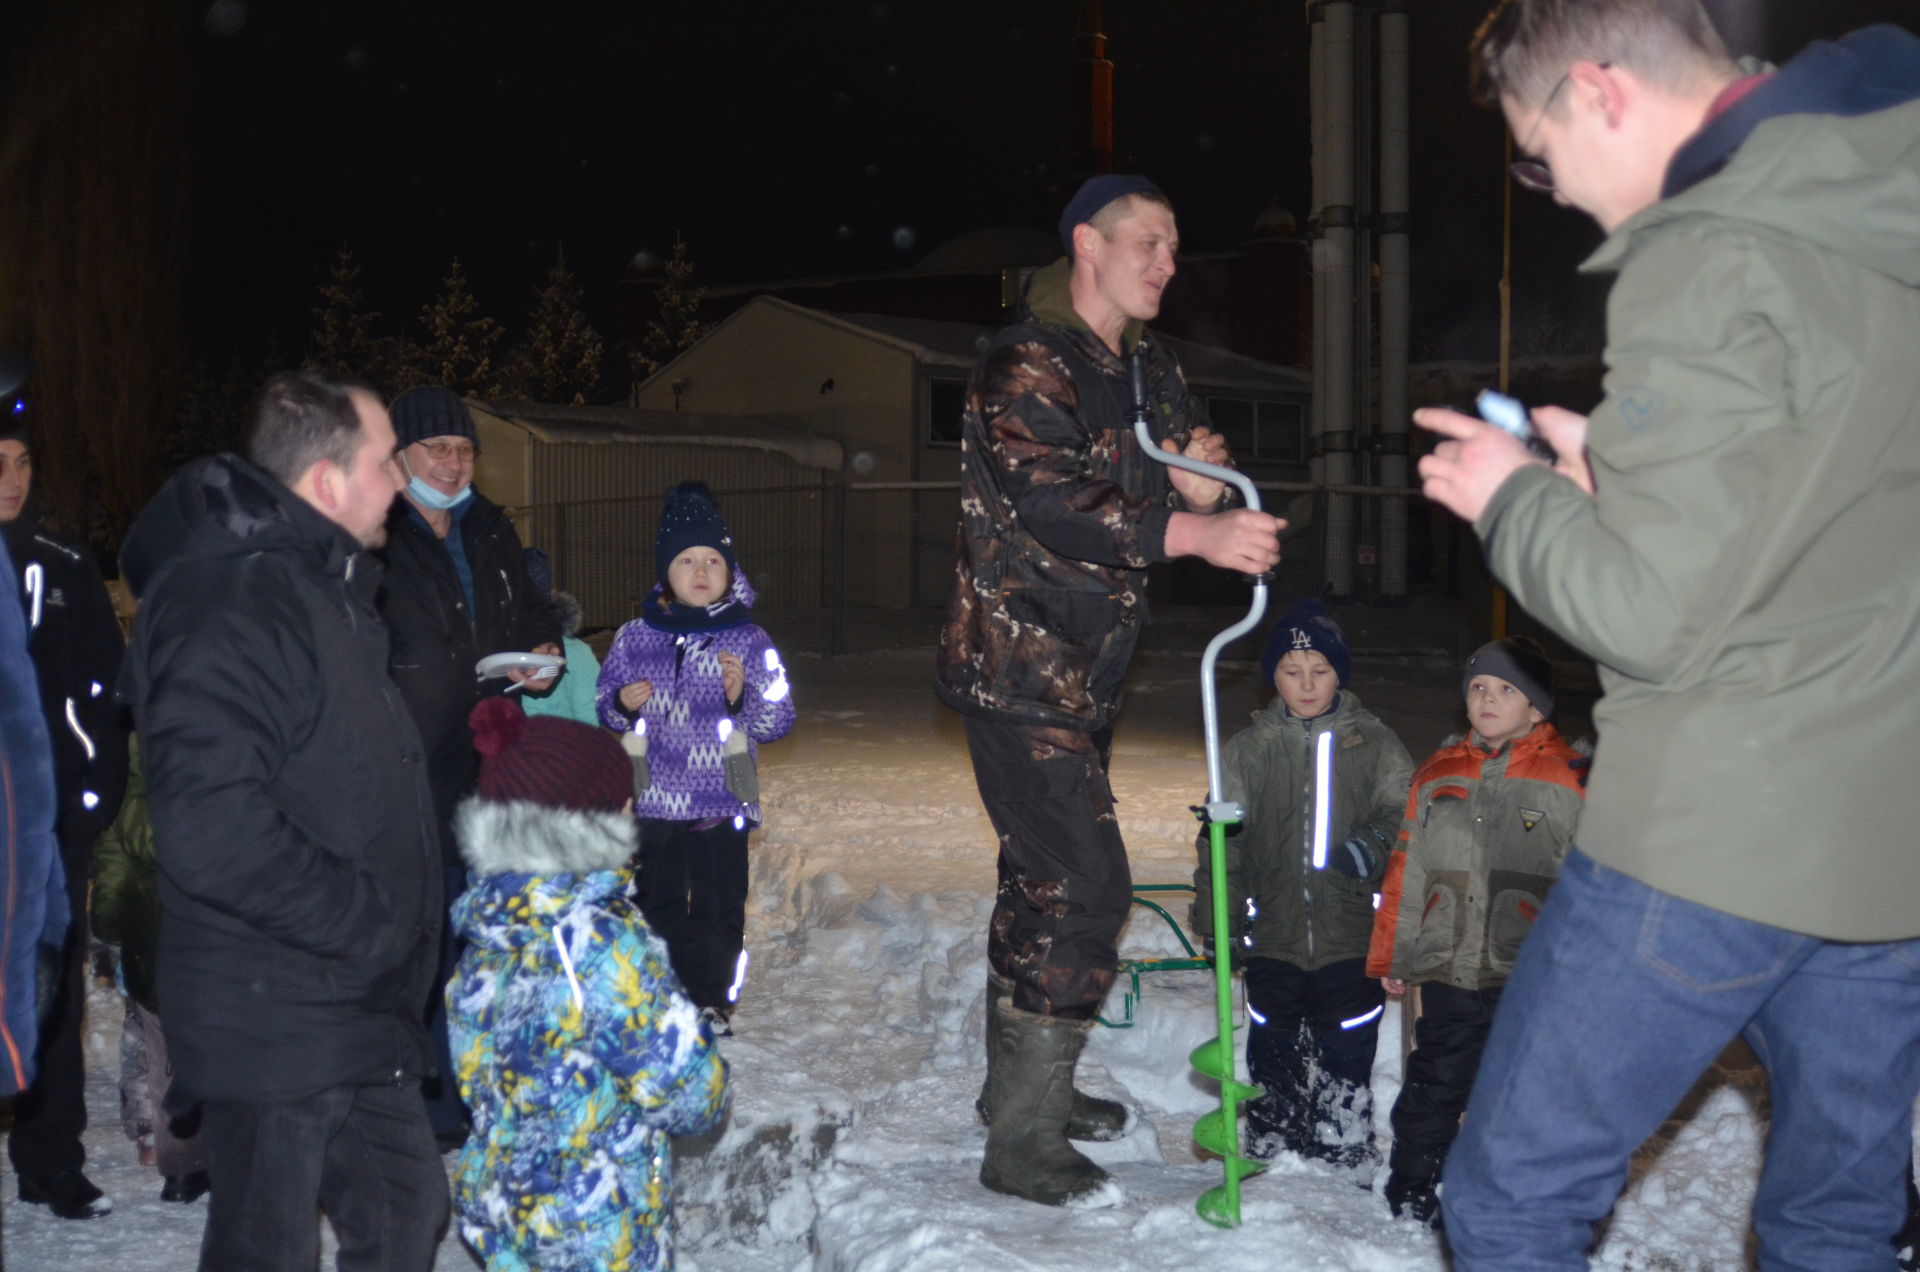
x,y
1308,626
1095,193
691,520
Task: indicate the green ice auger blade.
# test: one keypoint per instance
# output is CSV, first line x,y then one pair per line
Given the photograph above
x,y
1219,1131
1222,1205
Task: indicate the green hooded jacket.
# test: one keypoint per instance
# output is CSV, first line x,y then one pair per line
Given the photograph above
x,y
1746,576
126,886
1301,915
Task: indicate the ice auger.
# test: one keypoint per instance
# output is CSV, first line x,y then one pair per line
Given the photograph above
x,y
1219,1131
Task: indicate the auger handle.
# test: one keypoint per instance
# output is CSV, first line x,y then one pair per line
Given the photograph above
x,y
1209,703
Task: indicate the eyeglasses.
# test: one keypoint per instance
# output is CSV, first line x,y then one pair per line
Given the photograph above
x,y
462,451
1534,174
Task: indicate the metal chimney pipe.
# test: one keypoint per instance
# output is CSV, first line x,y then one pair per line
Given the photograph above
x,y
1316,235
1396,293
1337,218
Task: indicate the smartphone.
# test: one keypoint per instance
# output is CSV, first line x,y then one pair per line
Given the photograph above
x,y
1505,414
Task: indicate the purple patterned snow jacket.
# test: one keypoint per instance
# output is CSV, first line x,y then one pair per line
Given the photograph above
x,y
686,721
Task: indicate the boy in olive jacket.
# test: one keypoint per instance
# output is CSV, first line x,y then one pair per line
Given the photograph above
x,y
1323,782
1487,823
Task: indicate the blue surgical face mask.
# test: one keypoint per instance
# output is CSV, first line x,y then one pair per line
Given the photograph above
x,y
427,495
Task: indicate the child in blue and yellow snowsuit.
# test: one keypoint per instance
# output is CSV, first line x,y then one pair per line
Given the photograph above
x,y
573,1045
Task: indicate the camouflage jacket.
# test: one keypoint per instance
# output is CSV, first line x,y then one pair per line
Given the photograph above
x,y
1060,515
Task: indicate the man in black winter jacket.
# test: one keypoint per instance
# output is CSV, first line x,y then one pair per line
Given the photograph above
x,y
75,641
295,835
456,591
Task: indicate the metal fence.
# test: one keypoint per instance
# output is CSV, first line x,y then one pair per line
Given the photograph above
x,y
853,566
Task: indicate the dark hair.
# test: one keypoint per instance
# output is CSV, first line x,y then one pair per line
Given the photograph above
x,y
303,417
1121,208
1525,46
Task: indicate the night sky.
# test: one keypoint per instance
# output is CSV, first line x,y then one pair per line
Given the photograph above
x,y
794,140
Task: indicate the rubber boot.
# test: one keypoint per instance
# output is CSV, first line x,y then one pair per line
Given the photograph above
x,y
1091,1119
1031,1092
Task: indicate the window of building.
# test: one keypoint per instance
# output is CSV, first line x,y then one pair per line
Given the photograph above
x,y
1260,431
946,402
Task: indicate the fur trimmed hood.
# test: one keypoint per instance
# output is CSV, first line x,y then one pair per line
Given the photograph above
x,y
516,837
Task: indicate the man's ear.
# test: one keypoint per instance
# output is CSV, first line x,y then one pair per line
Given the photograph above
x,y
1600,87
1086,241
326,485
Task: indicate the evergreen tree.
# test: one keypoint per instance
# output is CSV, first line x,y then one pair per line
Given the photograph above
x,y
342,340
561,358
678,324
456,345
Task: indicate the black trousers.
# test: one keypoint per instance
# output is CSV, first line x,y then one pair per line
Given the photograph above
x,y
692,887
445,1110
1310,1049
50,1115
1448,1042
363,1155
1065,886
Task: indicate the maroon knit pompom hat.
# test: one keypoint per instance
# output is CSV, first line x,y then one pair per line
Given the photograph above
x,y
549,761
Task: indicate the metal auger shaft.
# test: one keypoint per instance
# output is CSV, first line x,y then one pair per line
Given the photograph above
x,y
1217,1132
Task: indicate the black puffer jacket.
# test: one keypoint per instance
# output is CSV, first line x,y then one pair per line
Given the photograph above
x,y
437,639
299,868
76,649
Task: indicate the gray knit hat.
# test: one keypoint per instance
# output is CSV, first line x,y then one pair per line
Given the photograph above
x,y
1518,660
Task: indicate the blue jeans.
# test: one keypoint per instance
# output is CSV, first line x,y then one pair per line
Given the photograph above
x,y
1621,997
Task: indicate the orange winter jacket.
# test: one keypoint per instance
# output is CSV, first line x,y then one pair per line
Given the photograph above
x,y
1481,842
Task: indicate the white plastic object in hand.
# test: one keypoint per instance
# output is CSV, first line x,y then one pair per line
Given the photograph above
x,y
543,666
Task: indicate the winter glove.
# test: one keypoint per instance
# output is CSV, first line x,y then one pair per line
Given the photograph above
x,y
1236,953
1354,858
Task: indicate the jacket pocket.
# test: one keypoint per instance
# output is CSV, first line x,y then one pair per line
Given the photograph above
x,y
1509,920
1055,648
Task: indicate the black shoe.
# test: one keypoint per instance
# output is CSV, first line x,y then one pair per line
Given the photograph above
x,y
185,1188
1414,1197
68,1193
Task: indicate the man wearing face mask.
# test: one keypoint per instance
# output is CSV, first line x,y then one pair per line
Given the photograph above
x,y
456,590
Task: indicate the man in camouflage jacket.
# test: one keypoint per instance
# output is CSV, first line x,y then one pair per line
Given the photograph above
x,y
1061,513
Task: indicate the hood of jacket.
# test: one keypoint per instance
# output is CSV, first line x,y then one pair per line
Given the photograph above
x,y
537,868
1050,300
1826,150
224,506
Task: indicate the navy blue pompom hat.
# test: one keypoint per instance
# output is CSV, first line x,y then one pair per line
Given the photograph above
x,y
1307,625
691,519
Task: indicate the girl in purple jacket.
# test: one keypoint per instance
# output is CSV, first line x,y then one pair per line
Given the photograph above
x,y
694,686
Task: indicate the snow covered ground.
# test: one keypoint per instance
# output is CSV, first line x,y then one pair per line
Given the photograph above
x,y
857,1053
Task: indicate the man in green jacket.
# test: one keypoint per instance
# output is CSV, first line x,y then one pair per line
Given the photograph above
x,y
1729,535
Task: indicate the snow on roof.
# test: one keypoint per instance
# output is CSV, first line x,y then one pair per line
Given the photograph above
x,y
627,425
955,345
